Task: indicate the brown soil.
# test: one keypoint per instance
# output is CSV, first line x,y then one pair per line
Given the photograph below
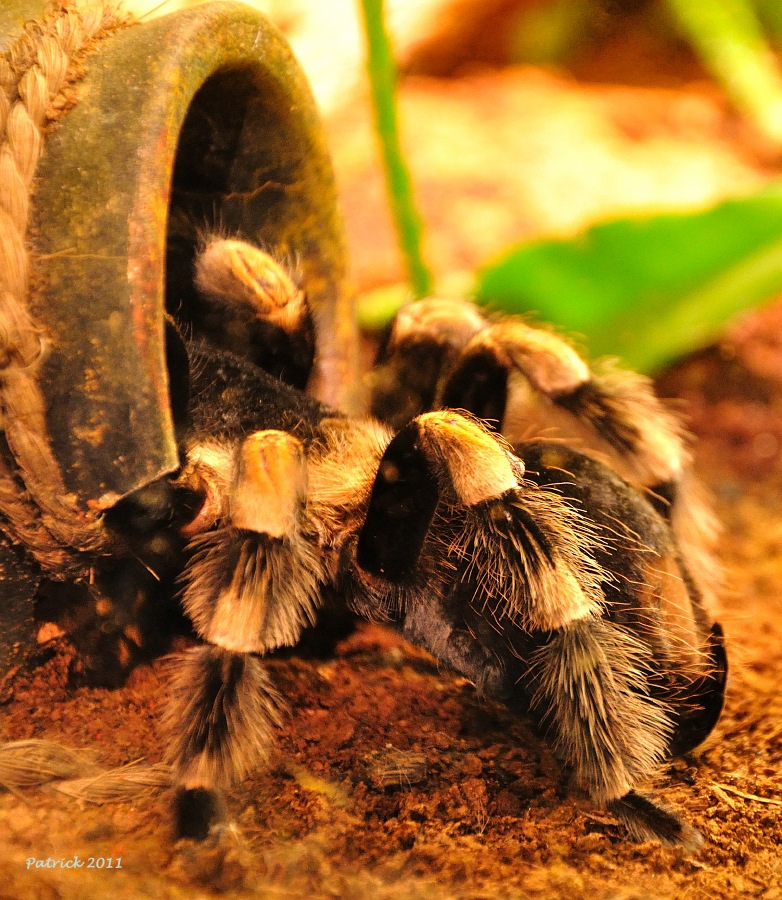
x,y
390,779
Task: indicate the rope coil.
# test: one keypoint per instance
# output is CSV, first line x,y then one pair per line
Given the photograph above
x,y
37,509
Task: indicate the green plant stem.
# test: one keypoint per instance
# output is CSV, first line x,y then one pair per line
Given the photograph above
x,y
730,41
382,79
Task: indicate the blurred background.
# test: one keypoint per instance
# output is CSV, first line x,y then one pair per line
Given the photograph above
x,y
610,166
519,118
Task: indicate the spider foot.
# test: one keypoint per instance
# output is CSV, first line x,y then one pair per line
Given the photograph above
x,y
646,819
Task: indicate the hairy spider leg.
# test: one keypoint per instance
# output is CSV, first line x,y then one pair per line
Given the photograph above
x,y
251,584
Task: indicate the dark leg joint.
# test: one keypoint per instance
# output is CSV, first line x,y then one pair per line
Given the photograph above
x,y
646,820
198,811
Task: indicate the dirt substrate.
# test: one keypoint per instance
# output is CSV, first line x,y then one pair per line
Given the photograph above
x,y
392,780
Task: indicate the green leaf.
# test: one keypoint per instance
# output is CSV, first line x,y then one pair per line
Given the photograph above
x,y
648,289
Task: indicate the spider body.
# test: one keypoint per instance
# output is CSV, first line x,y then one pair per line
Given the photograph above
x,y
535,570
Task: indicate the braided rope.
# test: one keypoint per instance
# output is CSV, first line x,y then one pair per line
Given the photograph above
x,y
34,71
33,763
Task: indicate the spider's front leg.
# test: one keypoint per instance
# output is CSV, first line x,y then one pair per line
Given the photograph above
x,y
251,585
450,503
547,602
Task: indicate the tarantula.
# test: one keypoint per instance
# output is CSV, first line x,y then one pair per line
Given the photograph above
x,y
564,583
